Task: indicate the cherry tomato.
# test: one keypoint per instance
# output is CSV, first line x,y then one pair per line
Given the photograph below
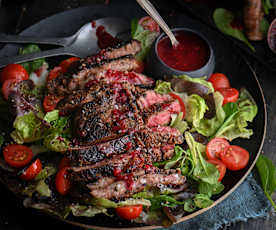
x,y
234,157
64,163
8,87
182,105
229,95
55,72
31,172
149,24
50,102
215,147
219,81
129,212
17,155
63,183
220,166
67,62
14,71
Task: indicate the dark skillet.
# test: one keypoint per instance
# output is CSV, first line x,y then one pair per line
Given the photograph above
x,y
228,61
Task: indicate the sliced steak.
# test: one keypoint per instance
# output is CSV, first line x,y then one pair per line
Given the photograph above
x,y
131,47
99,152
158,115
71,81
150,97
125,188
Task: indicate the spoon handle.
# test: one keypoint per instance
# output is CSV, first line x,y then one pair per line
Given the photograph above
x,y
150,9
32,56
9,38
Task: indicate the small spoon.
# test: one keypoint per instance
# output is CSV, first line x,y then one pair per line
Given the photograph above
x,y
83,43
150,9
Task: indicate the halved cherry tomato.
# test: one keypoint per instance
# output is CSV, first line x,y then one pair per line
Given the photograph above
x,y
129,212
14,71
67,62
229,95
234,157
148,23
220,166
8,86
64,163
63,183
219,81
31,172
215,147
182,105
17,155
55,72
50,102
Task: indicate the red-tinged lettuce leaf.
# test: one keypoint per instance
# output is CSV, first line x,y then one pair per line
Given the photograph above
x,y
223,19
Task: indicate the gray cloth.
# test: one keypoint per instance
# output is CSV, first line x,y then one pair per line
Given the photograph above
x,y
247,201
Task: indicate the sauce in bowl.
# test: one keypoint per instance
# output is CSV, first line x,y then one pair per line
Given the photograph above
x,y
192,53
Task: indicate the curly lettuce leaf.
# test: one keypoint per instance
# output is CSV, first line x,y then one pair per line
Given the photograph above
x,y
236,124
28,128
146,38
178,123
203,170
208,127
163,87
52,129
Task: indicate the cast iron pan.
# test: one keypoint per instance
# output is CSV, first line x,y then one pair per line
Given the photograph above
x,y
228,61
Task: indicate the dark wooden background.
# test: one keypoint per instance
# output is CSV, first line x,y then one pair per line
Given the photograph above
x,y
16,15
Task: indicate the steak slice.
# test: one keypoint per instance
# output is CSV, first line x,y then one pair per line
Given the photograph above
x,y
124,188
95,153
150,97
158,115
131,47
75,80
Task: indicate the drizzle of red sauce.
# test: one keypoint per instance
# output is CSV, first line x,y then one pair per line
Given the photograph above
x,y
93,24
128,146
105,39
237,23
192,52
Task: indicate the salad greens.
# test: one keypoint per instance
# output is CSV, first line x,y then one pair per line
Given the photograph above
x,y
223,19
146,38
238,116
31,66
267,172
53,129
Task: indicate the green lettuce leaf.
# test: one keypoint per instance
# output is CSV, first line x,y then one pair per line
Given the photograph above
x,y
178,123
28,128
202,201
203,170
146,38
87,211
111,204
223,19
51,128
31,66
196,107
38,184
236,124
163,87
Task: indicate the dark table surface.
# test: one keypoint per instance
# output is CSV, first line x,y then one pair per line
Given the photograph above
x,y
16,15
